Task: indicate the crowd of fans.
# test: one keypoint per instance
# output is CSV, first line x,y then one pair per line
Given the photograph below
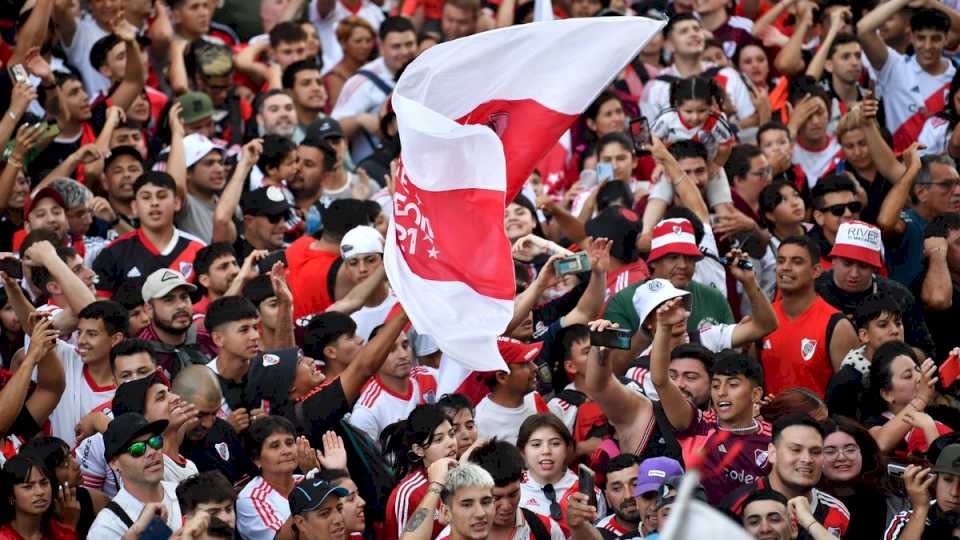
x,y
198,338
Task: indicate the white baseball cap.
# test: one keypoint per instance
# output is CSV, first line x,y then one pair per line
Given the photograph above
x,y
650,295
162,281
196,146
361,240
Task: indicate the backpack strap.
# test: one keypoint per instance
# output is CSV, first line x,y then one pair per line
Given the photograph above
x,y
537,529
376,80
572,397
120,513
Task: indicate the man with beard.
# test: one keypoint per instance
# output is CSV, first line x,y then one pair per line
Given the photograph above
x,y
157,244
796,456
505,464
177,341
212,444
623,482
200,176
302,79
337,181
317,158
277,115
133,448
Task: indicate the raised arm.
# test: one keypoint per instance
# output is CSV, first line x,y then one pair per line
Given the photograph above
x,y
177,160
937,290
27,138
679,411
621,406
890,434
763,319
591,301
789,60
134,74
51,380
224,229
767,19
284,331
888,219
368,360
420,524
33,33
837,21
179,81
524,302
887,163
683,185
247,61
13,396
358,295
77,293
873,46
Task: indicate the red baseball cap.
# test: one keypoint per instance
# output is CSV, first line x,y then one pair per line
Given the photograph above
x,y
673,236
42,194
859,241
517,352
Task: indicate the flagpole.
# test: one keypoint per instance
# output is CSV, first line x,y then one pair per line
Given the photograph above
x,y
681,505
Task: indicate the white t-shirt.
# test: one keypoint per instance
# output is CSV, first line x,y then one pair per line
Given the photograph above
x,y
360,95
816,162
910,94
80,396
108,526
368,318
379,406
96,473
327,28
88,32
261,510
656,93
934,136
504,423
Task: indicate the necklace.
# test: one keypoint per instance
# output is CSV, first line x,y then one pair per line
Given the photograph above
x,y
754,426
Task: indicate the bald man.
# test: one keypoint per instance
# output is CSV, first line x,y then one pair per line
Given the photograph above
x,y
213,444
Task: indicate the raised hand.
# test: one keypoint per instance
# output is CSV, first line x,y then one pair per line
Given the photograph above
x,y
251,152
175,119
671,313
307,458
334,453
598,250
22,96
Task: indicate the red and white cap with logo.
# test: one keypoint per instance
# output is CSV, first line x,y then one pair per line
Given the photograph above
x,y
673,236
859,241
517,352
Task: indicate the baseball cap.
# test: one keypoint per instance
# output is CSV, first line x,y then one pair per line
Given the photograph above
x,y
619,225
272,374
654,472
649,295
673,236
324,128
361,240
47,192
517,352
196,106
131,396
196,146
310,494
124,150
162,281
124,429
949,460
265,201
859,241
667,494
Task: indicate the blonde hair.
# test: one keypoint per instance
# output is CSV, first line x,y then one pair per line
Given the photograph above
x,y
346,27
849,122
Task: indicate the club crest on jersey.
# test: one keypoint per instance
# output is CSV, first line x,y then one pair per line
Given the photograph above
x,y
186,268
760,457
429,396
270,360
223,450
807,348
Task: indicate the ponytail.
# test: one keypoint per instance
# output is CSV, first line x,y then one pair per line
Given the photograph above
x,y
696,87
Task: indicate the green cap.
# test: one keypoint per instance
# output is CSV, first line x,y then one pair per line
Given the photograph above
x,y
196,106
949,460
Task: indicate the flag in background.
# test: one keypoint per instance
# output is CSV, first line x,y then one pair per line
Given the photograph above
x,y
475,115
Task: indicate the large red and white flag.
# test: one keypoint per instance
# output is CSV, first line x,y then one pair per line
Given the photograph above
x,y
474,116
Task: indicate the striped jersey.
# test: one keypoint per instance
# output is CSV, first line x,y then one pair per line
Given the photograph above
x,y
611,524
261,510
404,499
132,255
827,509
379,406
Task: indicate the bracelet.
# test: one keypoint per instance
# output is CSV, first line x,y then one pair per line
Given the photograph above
x,y
442,487
677,183
15,163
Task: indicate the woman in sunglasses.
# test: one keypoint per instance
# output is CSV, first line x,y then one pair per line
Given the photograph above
x,y
27,508
547,447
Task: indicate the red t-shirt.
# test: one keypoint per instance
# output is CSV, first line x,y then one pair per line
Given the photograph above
x,y
308,278
797,353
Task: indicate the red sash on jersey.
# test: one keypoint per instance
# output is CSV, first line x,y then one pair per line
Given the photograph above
x,y
910,129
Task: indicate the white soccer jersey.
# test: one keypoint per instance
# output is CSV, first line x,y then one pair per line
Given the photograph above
x,y
910,95
817,162
532,497
656,93
361,95
934,136
80,396
714,133
261,510
379,406
368,318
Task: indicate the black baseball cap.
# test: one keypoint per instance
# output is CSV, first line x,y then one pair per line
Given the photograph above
x,y
131,396
126,428
621,226
265,201
324,128
123,150
102,47
271,375
310,494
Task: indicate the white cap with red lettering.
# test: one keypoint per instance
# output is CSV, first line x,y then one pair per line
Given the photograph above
x,y
859,241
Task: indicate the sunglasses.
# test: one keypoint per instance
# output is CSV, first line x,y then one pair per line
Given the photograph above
x,y
551,494
139,448
837,209
276,218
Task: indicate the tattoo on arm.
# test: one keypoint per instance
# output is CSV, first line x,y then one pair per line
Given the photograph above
x,y
415,520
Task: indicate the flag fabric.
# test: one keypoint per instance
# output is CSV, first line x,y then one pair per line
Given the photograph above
x,y
474,116
950,370
542,10
692,519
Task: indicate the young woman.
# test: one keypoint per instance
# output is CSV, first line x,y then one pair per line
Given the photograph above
x,y
27,502
461,413
357,39
411,446
900,389
262,506
55,456
855,472
354,517
547,447
783,211
939,134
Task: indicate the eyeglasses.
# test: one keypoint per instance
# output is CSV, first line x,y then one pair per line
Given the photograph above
x,y
276,218
551,495
948,185
762,173
850,450
837,209
139,448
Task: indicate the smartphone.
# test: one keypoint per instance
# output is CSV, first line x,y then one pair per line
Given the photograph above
x,y
640,132
743,264
12,267
588,178
18,72
612,338
157,529
572,264
266,263
52,131
896,471
586,484
604,172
